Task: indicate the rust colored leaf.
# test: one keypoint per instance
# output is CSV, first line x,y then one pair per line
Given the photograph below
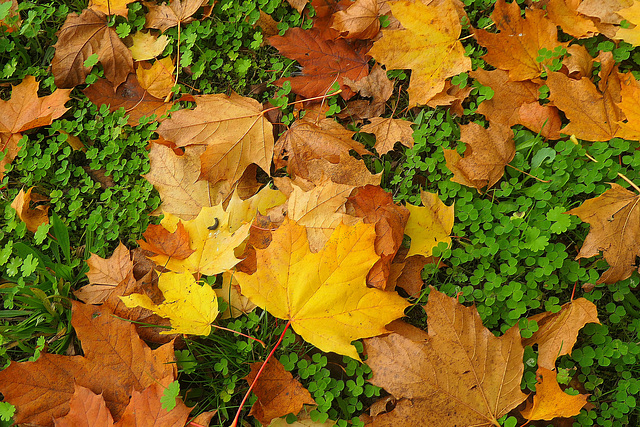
x,y
82,36
32,217
308,139
323,62
550,401
457,374
176,179
488,152
112,270
278,392
233,129
593,116
515,48
375,85
614,218
388,131
162,242
358,21
451,96
86,409
557,332
163,17
428,45
115,362
136,101
145,409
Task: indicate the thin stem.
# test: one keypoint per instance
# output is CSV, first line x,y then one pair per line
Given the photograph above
x,y
573,139
528,174
255,380
303,100
239,333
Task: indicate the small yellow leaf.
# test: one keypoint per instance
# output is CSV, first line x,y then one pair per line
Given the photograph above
x,y
147,46
428,225
191,307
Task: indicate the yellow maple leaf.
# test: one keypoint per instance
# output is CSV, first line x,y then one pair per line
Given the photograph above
x,y
632,15
323,294
191,307
211,240
429,225
428,45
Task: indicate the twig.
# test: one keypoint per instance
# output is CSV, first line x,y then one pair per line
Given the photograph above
x,y
528,174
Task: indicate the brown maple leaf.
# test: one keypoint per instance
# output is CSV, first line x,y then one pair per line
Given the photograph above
x,y
147,409
136,101
614,218
488,152
323,62
516,47
388,131
358,21
115,362
375,85
593,114
82,36
86,408
163,17
160,241
278,392
458,373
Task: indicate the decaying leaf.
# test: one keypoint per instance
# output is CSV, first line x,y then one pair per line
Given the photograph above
x,y
278,392
82,36
388,131
163,17
457,374
323,295
550,401
614,218
428,45
32,217
358,21
557,332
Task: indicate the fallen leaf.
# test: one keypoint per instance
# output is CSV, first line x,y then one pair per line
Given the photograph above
x,y
428,45
323,295
564,13
191,307
557,332
230,293
160,241
213,247
82,36
9,146
111,7
592,116
579,63
233,129
630,107
323,62
358,21
429,225
86,408
516,47
550,401
457,374
605,10
147,46
278,392
157,79
163,17
112,270
452,96
32,217
115,362
614,218
388,131
298,5
309,139
136,102
375,85
176,179
488,152
145,409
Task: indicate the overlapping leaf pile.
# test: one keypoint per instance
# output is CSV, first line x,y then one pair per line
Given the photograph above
x,y
321,246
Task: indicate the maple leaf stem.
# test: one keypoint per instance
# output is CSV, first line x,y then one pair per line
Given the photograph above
x,y
528,174
573,139
302,100
239,333
255,380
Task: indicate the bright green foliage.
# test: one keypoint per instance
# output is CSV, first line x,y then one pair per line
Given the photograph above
x,y
170,395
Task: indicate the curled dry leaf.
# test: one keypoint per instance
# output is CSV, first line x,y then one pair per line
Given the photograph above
x,y
375,85
32,217
557,332
457,374
614,218
324,294
429,225
82,36
278,392
550,401
488,152
428,45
